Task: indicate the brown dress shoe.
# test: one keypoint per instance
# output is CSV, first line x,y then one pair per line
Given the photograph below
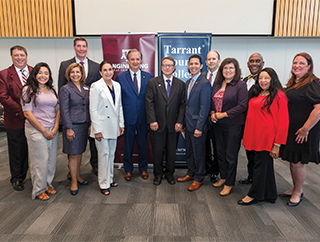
x,y
195,185
128,176
144,174
226,190
220,183
185,178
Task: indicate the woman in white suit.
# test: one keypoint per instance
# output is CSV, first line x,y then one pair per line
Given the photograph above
x,y
106,123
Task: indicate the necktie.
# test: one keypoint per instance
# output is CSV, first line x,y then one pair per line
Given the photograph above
x,y
135,82
253,77
210,78
84,71
190,87
168,87
24,77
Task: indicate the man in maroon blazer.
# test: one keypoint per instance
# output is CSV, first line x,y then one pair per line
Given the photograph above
x,y
11,81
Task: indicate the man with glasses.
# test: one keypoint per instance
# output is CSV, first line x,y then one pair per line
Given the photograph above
x,y
165,107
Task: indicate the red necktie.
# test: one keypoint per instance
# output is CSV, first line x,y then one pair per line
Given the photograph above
x,y
24,77
210,78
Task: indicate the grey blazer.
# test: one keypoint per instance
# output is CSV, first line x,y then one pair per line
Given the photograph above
x,y
74,105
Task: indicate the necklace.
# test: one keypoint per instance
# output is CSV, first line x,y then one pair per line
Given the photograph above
x,y
264,94
43,88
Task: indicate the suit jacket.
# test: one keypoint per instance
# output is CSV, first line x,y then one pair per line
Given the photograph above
x,y
106,116
198,105
166,111
134,108
92,75
74,105
10,86
235,101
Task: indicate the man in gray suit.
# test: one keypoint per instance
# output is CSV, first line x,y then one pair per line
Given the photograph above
x,y
165,108
92,74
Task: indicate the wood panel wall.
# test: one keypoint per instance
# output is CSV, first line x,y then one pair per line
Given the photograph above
x,y
300,18
36,18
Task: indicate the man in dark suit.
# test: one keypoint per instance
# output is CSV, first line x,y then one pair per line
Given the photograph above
x,y
165,107
255,65
92,74
133,90
198,95
11,81
213,61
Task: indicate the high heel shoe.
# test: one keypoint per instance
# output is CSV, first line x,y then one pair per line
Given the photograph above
x,y
83,183
253,201
74,192
226,192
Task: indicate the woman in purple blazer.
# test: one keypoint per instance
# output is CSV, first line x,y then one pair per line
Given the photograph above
x,y
74,107
229,102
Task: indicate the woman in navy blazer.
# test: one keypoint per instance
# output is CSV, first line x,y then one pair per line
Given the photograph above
x,y
229,102
74,108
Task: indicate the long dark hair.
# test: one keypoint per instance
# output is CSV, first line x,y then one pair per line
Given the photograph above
x,y
32,86
275,86
308,77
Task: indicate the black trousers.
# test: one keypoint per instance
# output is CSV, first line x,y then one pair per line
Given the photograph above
x,y
250,158
228,140
94,153
18,154
212,166
263,181
164,143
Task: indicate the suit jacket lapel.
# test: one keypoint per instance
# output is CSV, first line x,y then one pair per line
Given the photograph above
x,y
106,91
195,83
76,90
174,86
15,77
163,90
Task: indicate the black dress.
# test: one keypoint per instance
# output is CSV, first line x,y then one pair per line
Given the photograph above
x,y
300,105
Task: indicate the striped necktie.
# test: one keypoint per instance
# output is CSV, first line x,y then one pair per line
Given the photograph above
x,y
24,77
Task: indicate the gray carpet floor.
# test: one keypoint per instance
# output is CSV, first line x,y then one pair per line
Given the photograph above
x,y
139,211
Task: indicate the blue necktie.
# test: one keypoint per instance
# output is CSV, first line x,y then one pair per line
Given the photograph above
x,y
168,87
135,81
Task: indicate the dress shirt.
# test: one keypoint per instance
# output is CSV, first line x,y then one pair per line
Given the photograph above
x,y
25,71
138,78
85,65
250,83
165,81
214,74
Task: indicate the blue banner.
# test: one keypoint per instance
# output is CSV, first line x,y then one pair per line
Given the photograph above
x,y
180,47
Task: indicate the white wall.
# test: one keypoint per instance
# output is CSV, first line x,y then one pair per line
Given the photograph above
x,y
277,52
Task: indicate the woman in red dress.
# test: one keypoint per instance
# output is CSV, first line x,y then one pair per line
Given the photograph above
x,y
266,128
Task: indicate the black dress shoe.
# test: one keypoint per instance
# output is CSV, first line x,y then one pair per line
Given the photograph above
x,y
214,178
74,192
157,180
69,176
170,179
18,186
240,202
95,170
245,181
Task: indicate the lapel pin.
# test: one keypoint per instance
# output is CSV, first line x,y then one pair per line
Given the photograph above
x,y
159,85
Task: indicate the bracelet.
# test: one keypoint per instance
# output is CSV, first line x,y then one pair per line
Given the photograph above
x,y
276,144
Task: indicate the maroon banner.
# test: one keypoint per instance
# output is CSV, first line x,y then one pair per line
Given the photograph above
x,y
115,48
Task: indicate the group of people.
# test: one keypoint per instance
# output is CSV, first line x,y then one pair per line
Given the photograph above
x,y
213,110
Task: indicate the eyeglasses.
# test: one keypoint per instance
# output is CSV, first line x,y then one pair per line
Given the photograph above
x,y
167,66
228,68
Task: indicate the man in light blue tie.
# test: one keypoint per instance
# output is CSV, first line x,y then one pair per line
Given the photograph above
x,y
165,107
198,91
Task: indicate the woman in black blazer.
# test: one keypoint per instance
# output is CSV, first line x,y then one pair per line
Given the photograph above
x,y
229,102
74,108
